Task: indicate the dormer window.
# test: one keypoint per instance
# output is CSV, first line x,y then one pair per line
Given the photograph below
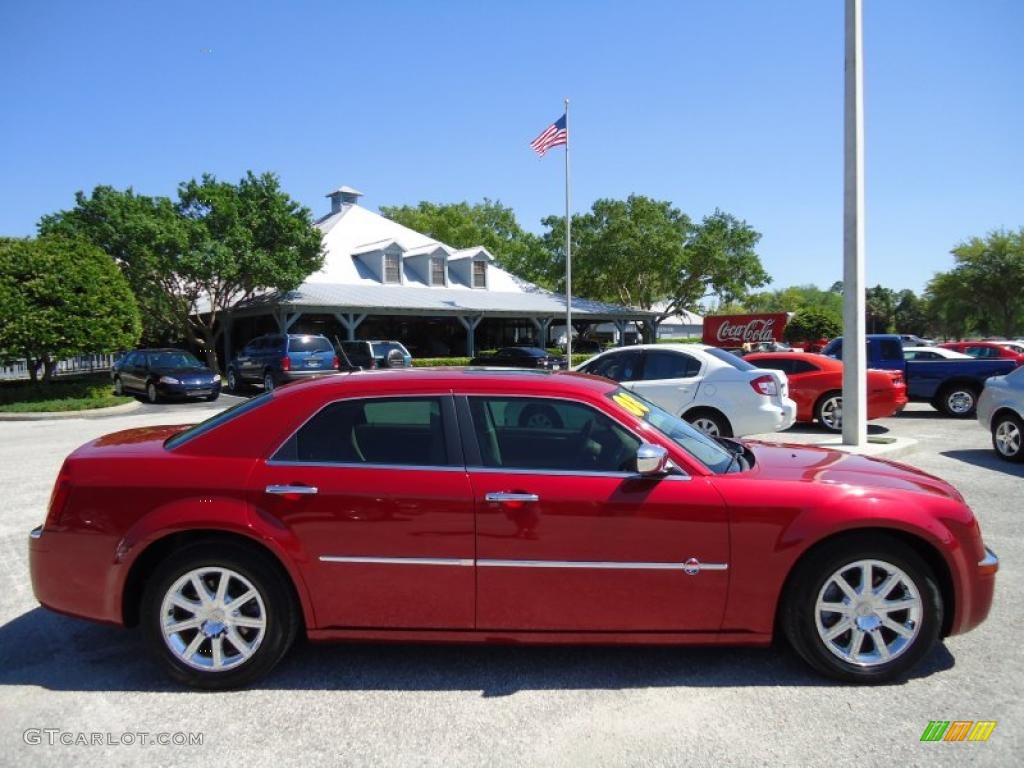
x,y
392,268
437,276
479,274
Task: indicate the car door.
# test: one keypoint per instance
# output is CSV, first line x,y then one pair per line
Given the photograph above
x,y
376,494
670,379
130,372
618,366
570,539
243,363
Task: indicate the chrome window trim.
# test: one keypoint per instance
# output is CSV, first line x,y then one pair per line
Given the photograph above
x,y
361,465
454,561
477,468
571,473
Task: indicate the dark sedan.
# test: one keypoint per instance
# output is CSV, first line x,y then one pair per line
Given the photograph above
x,y
164,373
521,357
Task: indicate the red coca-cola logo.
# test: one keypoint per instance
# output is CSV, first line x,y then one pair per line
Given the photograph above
x,y
735,330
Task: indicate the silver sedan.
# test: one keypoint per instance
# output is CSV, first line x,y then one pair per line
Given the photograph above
x,y
1001,410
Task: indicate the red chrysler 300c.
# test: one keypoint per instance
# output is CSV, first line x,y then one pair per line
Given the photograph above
x,y
430,505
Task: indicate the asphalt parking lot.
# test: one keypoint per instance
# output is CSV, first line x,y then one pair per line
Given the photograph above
x,y
436,705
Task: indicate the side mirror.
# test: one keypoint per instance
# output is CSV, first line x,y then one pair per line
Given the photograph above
x,y
651,460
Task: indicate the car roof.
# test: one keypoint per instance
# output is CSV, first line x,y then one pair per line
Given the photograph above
x,y
442,379
161,349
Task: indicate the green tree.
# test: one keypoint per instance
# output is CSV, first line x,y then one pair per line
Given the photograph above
x,y
794,298
880,310
189,261
490,224
990,272
812,324
60,298
641,251
911,313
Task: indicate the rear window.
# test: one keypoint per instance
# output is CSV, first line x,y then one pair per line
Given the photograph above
x,y
383,348
215,421
309,344
729,358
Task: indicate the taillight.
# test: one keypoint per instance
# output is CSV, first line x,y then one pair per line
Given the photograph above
x,y
373,362
765,385
58,497
336,364
286,363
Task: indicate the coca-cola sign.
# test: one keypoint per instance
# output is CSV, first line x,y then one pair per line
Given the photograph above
x,y
737,330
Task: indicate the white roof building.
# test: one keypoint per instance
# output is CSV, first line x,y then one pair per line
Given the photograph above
x,y
377,267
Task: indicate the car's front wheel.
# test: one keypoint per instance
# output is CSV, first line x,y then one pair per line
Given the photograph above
x,y
234,382
151,393
118,386
863,609
218,616
710,423
1008,437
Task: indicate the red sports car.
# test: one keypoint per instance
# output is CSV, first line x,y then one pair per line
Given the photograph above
x,y
988,350
411,505
816,384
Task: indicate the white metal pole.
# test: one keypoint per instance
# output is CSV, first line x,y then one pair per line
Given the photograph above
x,y
854,335
568,248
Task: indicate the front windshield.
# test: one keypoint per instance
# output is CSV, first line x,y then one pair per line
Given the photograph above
x,y
696,443
174,360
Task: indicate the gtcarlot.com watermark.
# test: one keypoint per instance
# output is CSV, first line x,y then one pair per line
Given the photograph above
x,y
52,737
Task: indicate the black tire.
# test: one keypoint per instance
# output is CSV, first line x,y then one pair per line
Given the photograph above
x,y
152,395
800,624
959,401
212,398
706,420
540,417
118,386
1008,437
234,381
269,382
824,411
281,614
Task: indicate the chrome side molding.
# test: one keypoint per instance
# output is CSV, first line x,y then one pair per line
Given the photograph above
x,y
300,490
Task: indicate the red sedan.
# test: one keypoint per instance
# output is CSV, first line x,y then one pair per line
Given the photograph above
x,y
816,384
988,350
411,505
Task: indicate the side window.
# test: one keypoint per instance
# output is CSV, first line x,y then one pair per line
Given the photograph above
x,y
131,360
550,435
620,366
401,431
786,366
891,349
802,366
669,365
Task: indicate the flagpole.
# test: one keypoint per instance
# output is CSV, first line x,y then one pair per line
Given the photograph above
x,y
568,249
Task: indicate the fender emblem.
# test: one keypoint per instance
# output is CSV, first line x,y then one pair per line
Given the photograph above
x,y
691,567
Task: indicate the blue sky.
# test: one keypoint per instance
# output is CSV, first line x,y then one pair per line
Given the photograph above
x,y
728,104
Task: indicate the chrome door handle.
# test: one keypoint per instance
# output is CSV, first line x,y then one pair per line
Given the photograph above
x,y
301,490
502,496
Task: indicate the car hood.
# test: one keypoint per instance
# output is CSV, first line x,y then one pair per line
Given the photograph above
x,y
823,465
185,372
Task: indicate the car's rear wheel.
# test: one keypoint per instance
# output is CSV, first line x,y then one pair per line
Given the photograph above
x,y
1008,437
151,393
863,609
829,411
218,616
710,423
958,401
268,381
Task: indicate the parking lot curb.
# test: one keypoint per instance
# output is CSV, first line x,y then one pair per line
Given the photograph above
x,y
93,413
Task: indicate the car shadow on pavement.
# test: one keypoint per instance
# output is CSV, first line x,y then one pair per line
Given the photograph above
x,y
986,458
44,649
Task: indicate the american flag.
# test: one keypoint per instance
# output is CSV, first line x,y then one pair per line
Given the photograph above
x,y
555,135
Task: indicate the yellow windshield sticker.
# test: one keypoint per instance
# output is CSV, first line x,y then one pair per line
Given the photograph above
x,y
631,404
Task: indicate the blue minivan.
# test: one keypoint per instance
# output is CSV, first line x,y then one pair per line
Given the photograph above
x,y
278,358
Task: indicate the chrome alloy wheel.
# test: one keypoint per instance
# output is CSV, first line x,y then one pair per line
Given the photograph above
x,y
706,425
868,613
960,402
1007,438
213,619
832,413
